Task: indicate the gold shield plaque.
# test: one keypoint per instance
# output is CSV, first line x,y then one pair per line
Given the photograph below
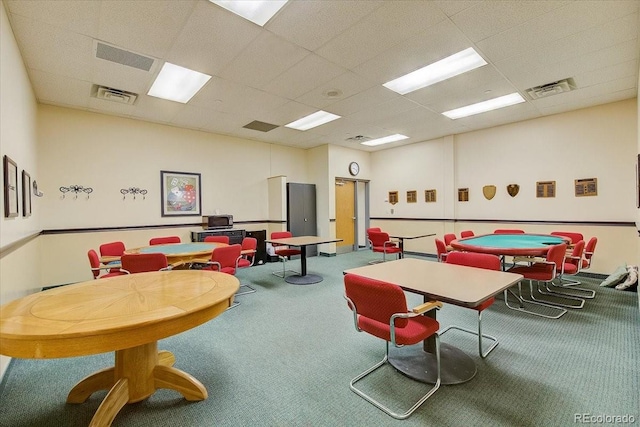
x,y
489,191
513,189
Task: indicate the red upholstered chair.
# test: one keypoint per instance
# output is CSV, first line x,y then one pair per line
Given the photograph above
x,y
112,249
217,239
441,250
477,260
142,263
589,250
546,272
283,252
466,233
448,238
380,309
94,262
164,240
375,230
225,259
508,231
249,247
571,267
380,242
575,237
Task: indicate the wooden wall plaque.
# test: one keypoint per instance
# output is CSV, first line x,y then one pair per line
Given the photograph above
x,y
412,196
546,189
393,197
586,187
429,196
463,194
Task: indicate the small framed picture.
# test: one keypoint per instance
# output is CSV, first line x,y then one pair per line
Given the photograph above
x,y
180,193
26,194
10,187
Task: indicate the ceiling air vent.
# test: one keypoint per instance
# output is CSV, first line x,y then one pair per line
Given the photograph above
x,y
121,56
549,89
358,138
115,95
260,126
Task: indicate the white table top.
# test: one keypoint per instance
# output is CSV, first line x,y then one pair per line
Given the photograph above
x,y
303,240
410,236
454,284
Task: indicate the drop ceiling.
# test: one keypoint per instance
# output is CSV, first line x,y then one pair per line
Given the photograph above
x,y
331,55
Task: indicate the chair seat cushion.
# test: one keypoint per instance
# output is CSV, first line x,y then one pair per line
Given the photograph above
x,y
417,329
485,304
570,268
113,273
387,249
228,270
243,263
535,271
287,252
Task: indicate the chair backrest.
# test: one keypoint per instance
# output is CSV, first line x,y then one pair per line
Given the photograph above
x,y
441,248
94,261
112,249
466,233
217,239
373,230
377,301
164,240
227,257
508,231
590,248
378,238
141,263
448,238
575,237
281,234
556,254
249,244
576,254
472,259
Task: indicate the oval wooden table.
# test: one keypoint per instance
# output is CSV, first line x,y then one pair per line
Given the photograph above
x,y
126,314
179,253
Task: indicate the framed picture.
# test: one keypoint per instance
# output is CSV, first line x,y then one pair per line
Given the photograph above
x,y
638,182
10,187
26,193
180,193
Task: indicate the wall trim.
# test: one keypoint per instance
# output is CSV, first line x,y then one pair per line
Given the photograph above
x,y
7,249
511,221
147,227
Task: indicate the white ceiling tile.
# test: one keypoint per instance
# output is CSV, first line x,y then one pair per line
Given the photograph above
x,y
76,16
348,83
60,90
366,99
311,24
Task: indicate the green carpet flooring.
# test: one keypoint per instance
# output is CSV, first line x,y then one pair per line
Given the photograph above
x,y
286,354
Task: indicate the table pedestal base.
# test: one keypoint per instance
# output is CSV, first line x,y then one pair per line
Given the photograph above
x,y
137,374
456,367
307,279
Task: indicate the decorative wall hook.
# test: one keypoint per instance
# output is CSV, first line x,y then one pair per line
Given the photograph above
x,y
36,193
76,189
134,191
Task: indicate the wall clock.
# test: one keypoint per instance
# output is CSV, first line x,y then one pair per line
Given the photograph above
x,y
354,168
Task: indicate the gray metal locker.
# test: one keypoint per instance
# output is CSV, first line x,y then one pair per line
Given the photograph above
x,y
301,212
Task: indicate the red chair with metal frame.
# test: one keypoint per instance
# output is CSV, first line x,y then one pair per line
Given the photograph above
x,y
508,231
94,261
217,239
112,249
448,238
375,230
441,250
225,259
477,260
283,252
575,237
249,248
546,272
589,250
381,242
164,240
571,267
142,263
466,233
380,309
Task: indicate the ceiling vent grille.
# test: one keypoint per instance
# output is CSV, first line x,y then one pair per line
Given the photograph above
x,y
358,138
260,126
124,57
550,89
115,95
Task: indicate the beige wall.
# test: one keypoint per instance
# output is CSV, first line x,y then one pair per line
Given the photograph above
x,y
595,142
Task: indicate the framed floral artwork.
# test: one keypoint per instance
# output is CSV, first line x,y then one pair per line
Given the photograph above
x,y
180,193
26,194
10,187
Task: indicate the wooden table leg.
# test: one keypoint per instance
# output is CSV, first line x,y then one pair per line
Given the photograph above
x,y
137,374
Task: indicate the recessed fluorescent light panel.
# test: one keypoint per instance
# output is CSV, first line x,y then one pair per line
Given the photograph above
x,y
385,140
483,107
312,120
256,11
444,69
177,83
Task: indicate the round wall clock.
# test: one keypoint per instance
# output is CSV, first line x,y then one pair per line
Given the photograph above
x,y
354,168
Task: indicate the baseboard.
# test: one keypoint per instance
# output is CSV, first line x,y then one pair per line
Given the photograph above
x,y
327,254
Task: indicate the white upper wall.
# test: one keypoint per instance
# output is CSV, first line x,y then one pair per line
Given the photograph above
x,y
110,153
18,115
